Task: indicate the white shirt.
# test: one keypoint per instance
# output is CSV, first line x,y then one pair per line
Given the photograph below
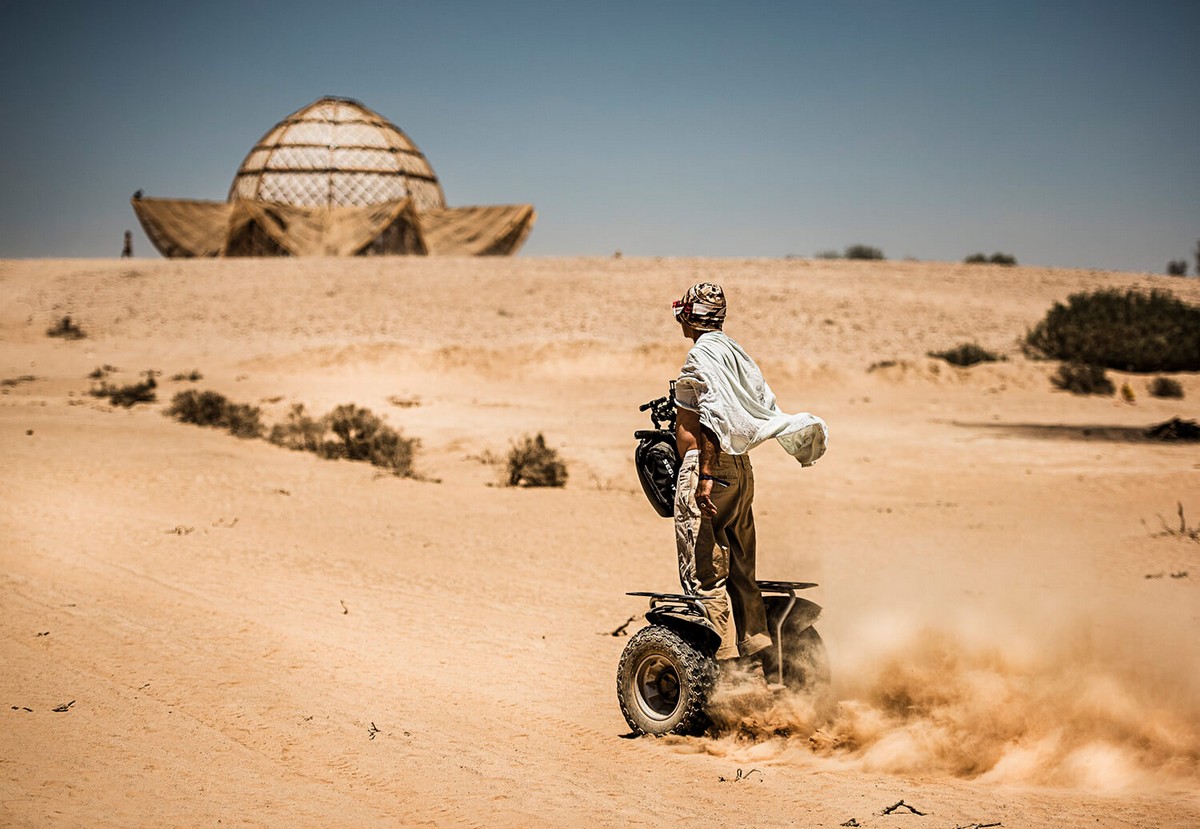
x,y
720,382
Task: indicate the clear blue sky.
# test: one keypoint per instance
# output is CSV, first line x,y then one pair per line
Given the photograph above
x,y
1065,133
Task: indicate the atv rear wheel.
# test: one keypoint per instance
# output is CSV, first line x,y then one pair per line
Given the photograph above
x,y
663,683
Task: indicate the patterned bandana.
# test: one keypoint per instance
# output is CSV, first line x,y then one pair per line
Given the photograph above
x,y
702,307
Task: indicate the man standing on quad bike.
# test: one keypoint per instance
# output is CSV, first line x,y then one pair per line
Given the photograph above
x,y
725,408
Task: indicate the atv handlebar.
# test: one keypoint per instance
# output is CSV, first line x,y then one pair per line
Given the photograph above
x,y
662,410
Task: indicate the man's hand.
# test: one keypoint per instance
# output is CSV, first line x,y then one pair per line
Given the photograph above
x,y
704,498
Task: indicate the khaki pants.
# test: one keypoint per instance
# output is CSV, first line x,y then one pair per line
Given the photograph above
x,y
716,555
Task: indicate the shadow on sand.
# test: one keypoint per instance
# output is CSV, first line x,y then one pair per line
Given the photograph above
x,y
1169,432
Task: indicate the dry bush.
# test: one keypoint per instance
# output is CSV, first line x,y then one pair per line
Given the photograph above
x,y
1080,378
863,252
363,436
66,329
299,432
994,259
966,354
210,408
348,432
1123,330
243,420
1166,387
100,372
187,377
130,394
532,463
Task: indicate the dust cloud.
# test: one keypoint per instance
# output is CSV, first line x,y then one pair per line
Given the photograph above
x,y
1085,704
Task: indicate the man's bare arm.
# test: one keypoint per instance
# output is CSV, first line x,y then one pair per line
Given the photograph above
x,y
687,430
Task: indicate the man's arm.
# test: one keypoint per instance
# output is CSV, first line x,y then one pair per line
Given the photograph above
x,y
690,433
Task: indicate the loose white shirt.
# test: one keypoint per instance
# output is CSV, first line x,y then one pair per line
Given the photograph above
x,y
722,383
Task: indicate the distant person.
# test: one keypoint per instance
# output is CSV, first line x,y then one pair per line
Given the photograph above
x,y
127,248
725,409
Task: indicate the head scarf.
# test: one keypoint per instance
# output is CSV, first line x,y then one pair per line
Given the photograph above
x,y
702,307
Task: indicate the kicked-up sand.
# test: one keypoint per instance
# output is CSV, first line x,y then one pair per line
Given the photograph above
x,y
197,630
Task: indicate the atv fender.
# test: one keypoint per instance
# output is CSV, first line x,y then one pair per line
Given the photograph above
x,y
802,614
692,626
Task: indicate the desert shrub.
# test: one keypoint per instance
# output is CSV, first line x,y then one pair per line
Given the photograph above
x,y
202,408
1130,331
210,408
1177,267
995,259
363,436
299,431
828,254
128,395
966,354
1166,387
1080,378
863,252
1175,429
187,377
348,432
532,463
66,329
243,420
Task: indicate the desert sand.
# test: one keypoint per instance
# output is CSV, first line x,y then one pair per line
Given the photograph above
x,y
237,634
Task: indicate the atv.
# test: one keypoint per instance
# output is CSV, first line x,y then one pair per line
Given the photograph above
x,y
668,669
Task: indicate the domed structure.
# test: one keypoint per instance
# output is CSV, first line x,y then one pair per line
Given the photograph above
x,y
332,179
336,152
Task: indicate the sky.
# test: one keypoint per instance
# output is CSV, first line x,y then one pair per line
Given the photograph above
x,y
1064,133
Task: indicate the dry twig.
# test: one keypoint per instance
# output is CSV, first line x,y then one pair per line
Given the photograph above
x,y
901,804
1184,530
621,630
740,776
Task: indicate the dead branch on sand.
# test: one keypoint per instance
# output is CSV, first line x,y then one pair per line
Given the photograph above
x,y
621,630
1184,530
740,777
901,804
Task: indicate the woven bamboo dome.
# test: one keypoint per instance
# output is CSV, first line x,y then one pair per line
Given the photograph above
x,y
333,179
336,152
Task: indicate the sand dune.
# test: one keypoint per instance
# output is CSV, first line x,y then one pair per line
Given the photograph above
x,y
254,636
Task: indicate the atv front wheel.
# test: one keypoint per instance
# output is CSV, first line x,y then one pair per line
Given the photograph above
x,y
663,683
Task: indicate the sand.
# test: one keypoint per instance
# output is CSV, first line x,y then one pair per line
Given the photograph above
x,y
243,635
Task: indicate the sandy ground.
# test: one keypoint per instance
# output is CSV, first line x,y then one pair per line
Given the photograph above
x,y
243,635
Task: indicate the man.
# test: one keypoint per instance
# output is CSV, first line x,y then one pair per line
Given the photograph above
x,y
725,409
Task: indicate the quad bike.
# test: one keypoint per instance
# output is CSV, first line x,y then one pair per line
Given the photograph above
x,y
668,669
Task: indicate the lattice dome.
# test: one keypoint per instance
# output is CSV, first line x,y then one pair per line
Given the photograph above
x,y
336,152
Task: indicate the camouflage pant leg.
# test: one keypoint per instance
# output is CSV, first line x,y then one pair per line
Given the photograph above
x,y
703,563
